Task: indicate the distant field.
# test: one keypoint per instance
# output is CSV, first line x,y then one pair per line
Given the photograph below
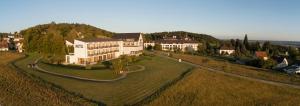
x,y
240,69
17,89
206,88
135,87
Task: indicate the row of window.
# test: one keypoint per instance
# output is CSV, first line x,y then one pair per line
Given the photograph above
x,y
102,51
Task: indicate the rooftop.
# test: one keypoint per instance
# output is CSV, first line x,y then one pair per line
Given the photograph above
x,y
134,36
97,39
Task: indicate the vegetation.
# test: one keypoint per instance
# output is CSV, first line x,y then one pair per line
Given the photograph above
x,y
49,39
205,88
240,69
182,34
17,89
132,89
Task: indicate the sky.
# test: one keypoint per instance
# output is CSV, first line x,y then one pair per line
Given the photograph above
x,y
260,19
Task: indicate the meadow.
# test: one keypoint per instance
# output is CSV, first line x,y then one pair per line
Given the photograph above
x,y
206,88
18,89
134,88
243,70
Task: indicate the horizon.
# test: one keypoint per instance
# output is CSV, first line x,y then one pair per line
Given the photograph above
x,y
261,20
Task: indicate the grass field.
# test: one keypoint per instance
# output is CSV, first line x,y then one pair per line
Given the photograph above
x,y
240,69
16,89
135,87
102,74
206,88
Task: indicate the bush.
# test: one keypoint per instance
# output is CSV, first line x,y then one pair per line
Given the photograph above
x,y
107,64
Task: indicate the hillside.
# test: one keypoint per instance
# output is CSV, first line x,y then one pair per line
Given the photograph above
x,y
48,39
206,88
195,36
16,89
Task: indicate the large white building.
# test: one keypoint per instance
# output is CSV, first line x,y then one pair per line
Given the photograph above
x,y
92,51
172,43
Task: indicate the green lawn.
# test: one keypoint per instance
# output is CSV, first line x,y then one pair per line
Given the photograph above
x,y
135,87
92,74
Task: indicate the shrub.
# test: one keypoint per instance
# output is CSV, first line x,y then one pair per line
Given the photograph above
x,y
107,64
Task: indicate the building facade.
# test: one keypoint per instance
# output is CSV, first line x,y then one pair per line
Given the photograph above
x,y
92,51
173,43
132,43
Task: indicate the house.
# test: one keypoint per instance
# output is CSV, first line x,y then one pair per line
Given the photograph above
x,y
92,51
149,43
282,63
19,46
132,43
174,42
261,55
3,46
226,50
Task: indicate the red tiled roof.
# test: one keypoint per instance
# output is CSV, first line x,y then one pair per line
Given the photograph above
x,y
3,44
261,54
226,47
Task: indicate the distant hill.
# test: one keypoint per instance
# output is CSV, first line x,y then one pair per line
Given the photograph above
x,y
48,39
195,36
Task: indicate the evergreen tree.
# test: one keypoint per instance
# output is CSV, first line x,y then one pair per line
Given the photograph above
x,y
246,43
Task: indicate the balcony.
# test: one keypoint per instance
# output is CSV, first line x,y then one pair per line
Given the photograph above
x,y
101,53
101,47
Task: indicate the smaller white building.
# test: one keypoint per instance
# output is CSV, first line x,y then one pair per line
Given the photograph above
x,y
226,50
284,63
173,43
3,46
147,44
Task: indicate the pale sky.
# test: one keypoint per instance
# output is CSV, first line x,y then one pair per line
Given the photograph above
x,y
260,19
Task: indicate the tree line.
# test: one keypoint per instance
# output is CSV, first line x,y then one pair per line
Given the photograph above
x,y
49,39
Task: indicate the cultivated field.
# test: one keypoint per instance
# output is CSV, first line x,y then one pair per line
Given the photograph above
x,y
16,89
206,88
135,87
240,69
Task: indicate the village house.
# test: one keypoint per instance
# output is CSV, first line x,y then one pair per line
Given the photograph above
x,y
92,51
226,50
3,46
282,62
174,42
261,55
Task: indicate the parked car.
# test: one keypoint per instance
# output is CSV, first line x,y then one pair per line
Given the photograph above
x,y
294,69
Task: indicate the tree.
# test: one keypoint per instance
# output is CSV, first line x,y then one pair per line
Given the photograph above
x,y
157,47
150,47
246,43
118,66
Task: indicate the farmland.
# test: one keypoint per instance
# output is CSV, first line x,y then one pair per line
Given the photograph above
x,y
240,69
208,88
18,89
135,87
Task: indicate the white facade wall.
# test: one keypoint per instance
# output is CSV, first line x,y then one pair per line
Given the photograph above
x,y
166,47
149,44
226,51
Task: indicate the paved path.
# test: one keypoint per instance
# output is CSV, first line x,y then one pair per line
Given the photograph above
x,y
124,75
236,75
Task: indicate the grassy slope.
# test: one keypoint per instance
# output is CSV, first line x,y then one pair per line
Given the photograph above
x,y
93,74
129,90
17,89
210,89
240,69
